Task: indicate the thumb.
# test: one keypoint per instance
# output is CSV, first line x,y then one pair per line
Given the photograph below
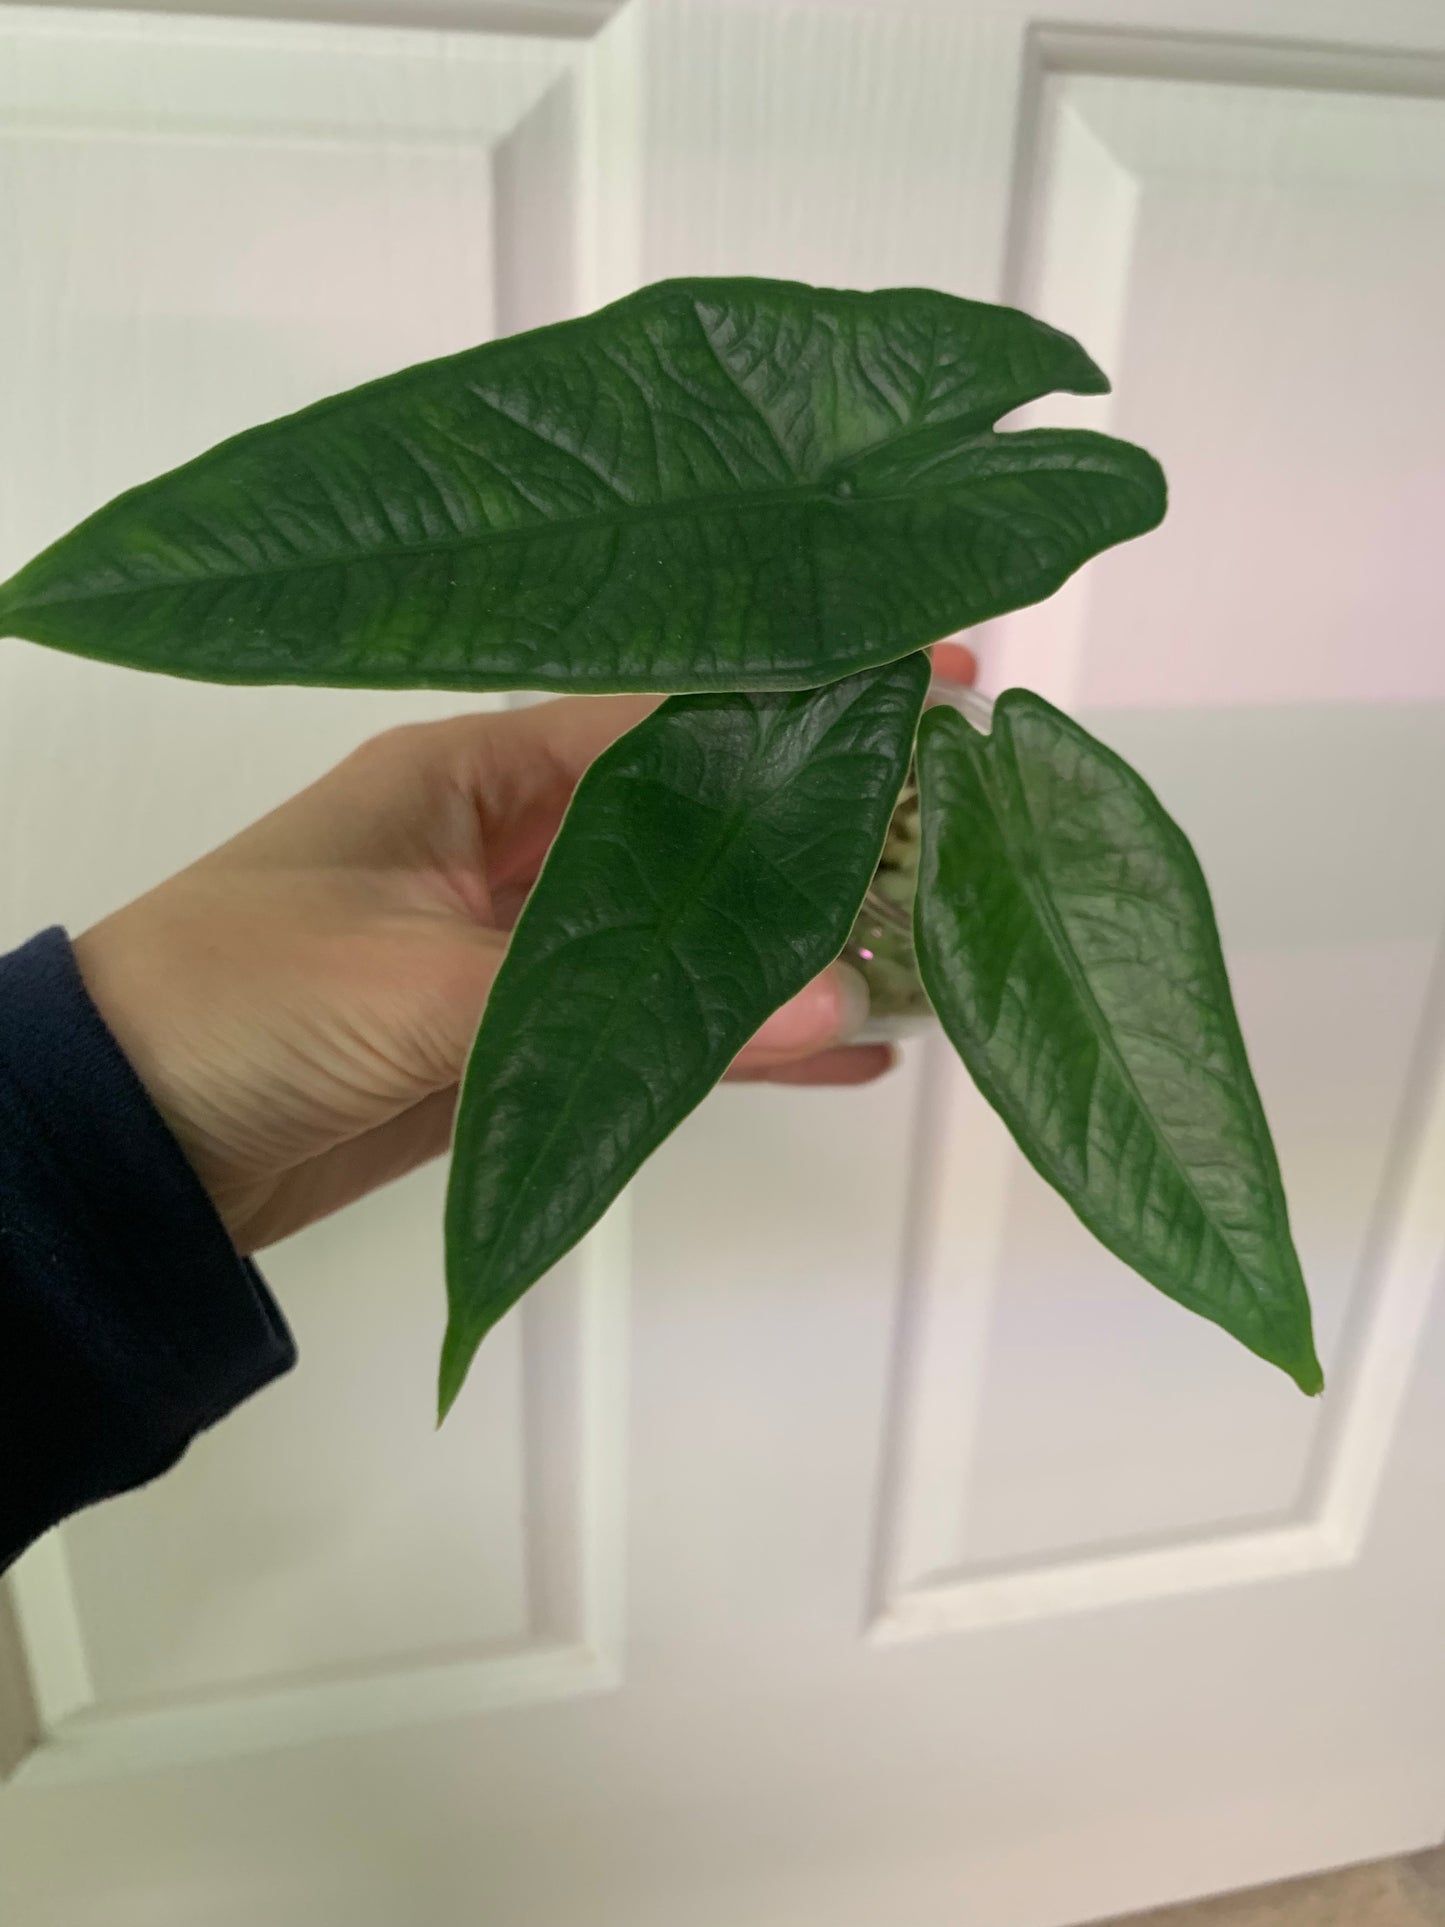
x,y
831,1010
432,1009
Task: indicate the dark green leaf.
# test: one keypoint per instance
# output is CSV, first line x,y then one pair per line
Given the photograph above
x,y
1066,938
710,865
710,484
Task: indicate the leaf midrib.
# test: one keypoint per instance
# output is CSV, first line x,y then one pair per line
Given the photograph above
x,y
624,515
795,494
1027,872
685,899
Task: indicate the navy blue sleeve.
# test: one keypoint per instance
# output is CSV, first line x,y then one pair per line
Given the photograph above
x,y
127,1321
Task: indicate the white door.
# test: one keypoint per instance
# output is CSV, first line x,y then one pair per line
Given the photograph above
x,y
840,1538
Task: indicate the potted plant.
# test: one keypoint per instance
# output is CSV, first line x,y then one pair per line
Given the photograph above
x,y
766,499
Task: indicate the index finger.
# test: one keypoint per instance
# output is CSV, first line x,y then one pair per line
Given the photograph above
x,y
527,762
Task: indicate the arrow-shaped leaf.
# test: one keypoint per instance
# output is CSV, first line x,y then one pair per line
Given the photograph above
x,y
710,484
710,865
1066,939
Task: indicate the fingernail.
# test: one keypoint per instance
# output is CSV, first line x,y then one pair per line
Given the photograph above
x,y
830,1010
854,1005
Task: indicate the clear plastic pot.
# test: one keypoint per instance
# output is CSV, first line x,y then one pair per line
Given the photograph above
x,y
880,946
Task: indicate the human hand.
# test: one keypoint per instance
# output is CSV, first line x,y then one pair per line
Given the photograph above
x,y
300,1003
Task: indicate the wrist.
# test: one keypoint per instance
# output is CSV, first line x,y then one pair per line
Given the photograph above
x,y
121,979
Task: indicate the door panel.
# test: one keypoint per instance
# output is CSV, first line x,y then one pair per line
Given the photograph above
x,y
218,225
1260,269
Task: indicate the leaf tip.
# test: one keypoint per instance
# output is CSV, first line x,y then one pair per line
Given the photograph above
x,y
1088,378
456,1360
1073,370
1293,1351
1309,1376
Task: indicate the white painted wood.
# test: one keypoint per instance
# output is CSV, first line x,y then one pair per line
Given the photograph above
x,y
19,1721
1127,178
219,223
554,18
947,1574
156,1646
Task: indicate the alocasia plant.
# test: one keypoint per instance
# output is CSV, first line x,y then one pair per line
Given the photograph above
x,y
766,499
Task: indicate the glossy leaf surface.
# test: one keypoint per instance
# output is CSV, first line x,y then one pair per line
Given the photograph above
x,y
710,865
712,484
1067,941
